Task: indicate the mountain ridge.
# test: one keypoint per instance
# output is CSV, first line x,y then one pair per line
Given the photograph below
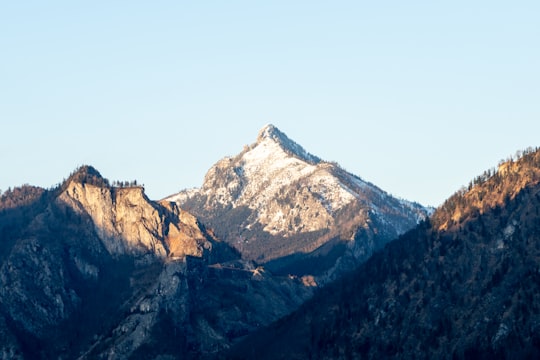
x,y
462,287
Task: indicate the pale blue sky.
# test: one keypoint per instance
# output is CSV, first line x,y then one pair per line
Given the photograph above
x,y
417,97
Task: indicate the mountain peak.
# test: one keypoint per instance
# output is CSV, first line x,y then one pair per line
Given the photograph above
x,y
269,132
88,170
87,174
272,133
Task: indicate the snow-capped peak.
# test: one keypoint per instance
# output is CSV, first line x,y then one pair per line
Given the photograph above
x,y
269,131
272,133
276,189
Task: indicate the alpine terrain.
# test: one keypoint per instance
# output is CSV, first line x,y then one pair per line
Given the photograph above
x,y
294,213
464,284
94,271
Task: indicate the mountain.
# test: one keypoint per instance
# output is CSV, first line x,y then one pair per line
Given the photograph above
x,y
282,207
93,271
464,284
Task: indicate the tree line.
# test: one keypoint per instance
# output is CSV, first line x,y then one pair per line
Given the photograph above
x,y
126,184
493,187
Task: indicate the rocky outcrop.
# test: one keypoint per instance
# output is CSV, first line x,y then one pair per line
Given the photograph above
x,y
129,224
93,271
165,301
80,242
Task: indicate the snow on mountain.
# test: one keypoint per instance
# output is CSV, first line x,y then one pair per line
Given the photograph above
x,y
270,132
262,172
275,187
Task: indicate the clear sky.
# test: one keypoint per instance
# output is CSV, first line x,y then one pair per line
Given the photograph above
x,y
417,97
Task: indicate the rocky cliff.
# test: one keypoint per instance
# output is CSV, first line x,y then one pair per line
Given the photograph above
x,y
90,270
129,224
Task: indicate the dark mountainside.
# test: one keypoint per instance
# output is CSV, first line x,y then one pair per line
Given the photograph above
x,y
463,285
93,271
294,213
90,270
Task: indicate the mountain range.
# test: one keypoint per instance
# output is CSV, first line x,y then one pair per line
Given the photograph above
x,y
278,254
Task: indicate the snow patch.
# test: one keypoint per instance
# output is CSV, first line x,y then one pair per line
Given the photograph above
x,y
182,196
334,194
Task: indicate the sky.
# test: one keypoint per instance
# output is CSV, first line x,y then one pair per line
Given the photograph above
x,y
417,97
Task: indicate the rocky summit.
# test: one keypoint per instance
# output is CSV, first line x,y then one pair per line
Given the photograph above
x,y
283,207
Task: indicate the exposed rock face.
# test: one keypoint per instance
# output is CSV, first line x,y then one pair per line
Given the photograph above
x,y
37,299
129,224
276,200
92,271
163,301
